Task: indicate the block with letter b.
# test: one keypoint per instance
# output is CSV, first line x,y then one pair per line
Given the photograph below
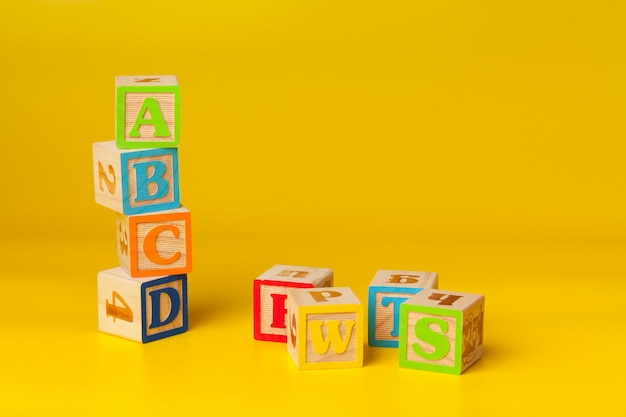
x,y
270,295
147,111
143,310
155,244
135,181
441,331
388,289
325,328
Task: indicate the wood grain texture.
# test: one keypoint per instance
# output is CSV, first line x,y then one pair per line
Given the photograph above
x,y
149,107
441,331
404,278
107,175
125,306
322,334
270,296
134,101
145,80
117,183
158,243
333,353
164,309
166,158
118,280
448,359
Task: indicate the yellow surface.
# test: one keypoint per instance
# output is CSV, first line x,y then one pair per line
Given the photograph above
x,y
483,140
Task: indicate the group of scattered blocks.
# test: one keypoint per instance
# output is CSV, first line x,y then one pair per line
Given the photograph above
x,y
145,297
323,326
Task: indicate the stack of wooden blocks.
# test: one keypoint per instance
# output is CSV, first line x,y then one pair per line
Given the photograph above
x,y
323,325
145,297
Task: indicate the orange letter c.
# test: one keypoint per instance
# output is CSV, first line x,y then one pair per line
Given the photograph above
x,y
150,245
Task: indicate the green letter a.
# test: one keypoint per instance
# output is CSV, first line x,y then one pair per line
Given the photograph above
x,y
156,119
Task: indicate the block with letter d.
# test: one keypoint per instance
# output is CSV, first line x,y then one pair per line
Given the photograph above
x,y
135,181
270,295
147,111
155,243
325,328
441,331
141,309
388,289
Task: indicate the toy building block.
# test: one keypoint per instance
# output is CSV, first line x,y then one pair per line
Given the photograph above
x,y
441,331
141,309
387,291
155,244
132,182
270,294
325,328
147,111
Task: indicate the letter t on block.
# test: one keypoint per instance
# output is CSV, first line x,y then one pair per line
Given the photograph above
x,y
387,291
270,296
147,111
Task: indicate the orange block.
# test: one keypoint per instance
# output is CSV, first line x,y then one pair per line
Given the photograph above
x,y
155,244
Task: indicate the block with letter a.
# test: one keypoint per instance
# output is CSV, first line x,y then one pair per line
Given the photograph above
x,y
441,331
155,243
270,296
147,111
135,181
324,328
142,310
389,289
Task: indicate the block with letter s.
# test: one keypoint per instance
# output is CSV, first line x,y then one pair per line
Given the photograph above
x,y
441,331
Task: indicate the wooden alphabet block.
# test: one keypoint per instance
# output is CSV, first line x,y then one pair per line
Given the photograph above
x,y
325,328
441,331
387,291
155,244
141,309
132,182
147,111
270,294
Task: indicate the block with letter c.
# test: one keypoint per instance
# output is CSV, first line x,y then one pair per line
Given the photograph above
x,y
155,244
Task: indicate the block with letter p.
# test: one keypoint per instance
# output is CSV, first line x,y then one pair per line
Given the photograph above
x,y
388,289
270,295
143,310
147,111
135,181
155,243
325,328
441,331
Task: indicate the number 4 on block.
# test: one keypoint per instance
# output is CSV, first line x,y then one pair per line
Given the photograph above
x,y
142,310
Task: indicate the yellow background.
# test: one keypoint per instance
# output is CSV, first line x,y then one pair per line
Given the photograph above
x,y
483,140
